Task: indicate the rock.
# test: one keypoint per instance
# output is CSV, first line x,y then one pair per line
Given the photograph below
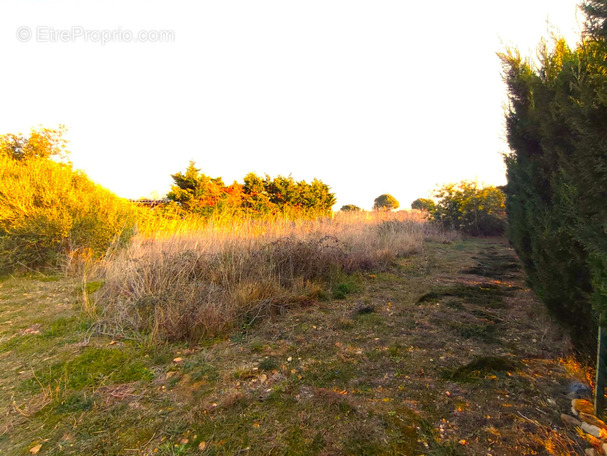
x,y
570,421
605,448
590,452
591,419
578,390
594,431
581,405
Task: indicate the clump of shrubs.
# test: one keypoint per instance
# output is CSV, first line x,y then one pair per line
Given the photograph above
x,y
195,193
467,207
49,212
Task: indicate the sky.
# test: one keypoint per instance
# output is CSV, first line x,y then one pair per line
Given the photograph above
x,y
370,97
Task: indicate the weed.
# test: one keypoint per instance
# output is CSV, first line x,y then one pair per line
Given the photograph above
x,y
75,402
93,286
201,284
268,364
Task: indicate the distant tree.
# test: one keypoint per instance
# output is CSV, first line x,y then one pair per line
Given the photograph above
x,y
350,208
424,204
469,208
41,143
385,202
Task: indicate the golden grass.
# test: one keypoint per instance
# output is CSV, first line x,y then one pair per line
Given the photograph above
x,y
193,279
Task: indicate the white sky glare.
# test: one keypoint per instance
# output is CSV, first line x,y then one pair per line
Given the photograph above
x,y
371,97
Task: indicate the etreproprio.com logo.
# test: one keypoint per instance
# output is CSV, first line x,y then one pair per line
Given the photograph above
x,y
46,34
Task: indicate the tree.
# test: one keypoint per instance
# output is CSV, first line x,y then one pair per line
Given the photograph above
x,y
474,210
596,14
424,204
557,180
197,192
350,208
41,143
385,202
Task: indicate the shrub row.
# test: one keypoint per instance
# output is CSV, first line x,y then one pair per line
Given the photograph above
x,y
557,177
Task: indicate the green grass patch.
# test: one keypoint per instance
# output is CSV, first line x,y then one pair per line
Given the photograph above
x,y
64,326
345,286
268,364
94,367
92,287
481,332
331,374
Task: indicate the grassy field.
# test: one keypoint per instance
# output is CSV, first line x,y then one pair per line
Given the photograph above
x,y
443,353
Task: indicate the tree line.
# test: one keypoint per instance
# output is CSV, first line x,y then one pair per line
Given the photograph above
x,y
193,192
557,174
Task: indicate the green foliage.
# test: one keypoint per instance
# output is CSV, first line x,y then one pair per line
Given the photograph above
x,y
424,204
469,208
557,175
49,211
385,202
197,193
350,208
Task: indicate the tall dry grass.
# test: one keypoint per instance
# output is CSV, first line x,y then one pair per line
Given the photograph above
x,y
198,280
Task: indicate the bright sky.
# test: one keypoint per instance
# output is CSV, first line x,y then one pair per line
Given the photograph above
x,y
369,96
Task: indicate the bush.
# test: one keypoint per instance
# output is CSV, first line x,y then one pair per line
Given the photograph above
x,y
350,208
48,211
471,209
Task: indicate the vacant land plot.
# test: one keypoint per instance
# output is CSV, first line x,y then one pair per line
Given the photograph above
x,y
445,353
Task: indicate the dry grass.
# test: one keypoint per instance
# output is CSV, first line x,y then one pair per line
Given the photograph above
x,y
199,280
370,374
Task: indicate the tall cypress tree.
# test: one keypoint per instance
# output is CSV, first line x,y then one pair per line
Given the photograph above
x,y
557,177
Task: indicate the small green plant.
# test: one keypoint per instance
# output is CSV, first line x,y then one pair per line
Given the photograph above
x,y
268,364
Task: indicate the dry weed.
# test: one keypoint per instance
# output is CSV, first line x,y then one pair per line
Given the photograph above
x,y
200,281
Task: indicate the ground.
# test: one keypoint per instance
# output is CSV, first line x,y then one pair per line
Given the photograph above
x,y
445,353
